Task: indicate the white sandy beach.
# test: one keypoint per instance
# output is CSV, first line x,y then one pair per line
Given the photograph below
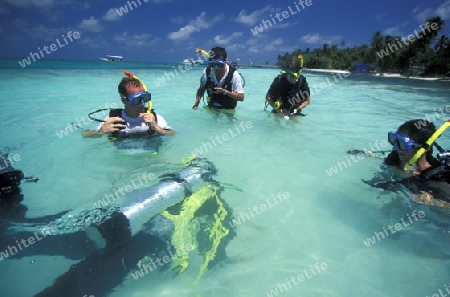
x,y
328,70
396,75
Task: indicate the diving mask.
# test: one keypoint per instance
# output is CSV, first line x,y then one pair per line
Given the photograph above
x,y
401,143
291,75
139,98
217,64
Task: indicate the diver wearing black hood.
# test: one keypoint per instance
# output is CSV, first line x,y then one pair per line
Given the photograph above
x,y
289,92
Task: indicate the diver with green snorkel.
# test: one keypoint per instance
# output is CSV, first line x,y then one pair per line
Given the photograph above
x,y
134,119
289,92
221,80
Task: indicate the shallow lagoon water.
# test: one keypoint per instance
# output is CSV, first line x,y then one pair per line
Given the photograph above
x,y
325,220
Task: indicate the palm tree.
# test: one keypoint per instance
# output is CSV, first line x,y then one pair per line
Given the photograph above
x,y
442,43
390,61
428,36
377,44
365,54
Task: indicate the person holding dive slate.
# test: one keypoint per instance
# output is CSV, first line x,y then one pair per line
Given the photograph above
x,y
221,81
134,119
289,92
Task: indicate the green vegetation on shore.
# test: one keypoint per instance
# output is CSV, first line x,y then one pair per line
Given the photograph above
x,y
426,55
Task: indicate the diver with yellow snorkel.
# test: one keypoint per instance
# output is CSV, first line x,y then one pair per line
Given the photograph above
x,y
221,81
426,176
134,119
289,92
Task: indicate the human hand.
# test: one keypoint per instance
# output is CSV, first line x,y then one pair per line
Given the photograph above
x,y
295,111
169,132
195,105
111,125
219,90
149,118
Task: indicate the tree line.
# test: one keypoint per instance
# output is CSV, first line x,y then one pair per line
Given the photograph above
x,y
422,53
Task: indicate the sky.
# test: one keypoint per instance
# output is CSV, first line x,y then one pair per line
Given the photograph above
x,y
171,30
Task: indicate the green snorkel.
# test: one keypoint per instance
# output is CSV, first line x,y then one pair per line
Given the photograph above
x,y
427,145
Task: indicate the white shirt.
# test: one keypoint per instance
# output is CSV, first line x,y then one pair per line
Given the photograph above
x,y
137,125
236,81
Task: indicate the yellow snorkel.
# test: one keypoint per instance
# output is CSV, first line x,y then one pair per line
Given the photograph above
x,y
427,145
129,74
300,57
205,53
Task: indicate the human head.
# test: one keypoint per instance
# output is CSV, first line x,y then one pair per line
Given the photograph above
x,y
9,179
419,131
218,53
127,87
293,64
292,68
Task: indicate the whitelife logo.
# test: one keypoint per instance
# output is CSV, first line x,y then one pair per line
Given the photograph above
x,y
71,36
266,24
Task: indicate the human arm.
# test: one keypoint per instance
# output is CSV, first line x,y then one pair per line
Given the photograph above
x,y
270,99
110,125
233,95
237,90
274,93
304,94
200,92
302,105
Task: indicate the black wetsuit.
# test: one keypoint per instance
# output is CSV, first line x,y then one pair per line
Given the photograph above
x,y
291,95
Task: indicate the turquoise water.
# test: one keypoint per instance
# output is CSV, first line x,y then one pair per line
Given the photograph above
x,y
325,220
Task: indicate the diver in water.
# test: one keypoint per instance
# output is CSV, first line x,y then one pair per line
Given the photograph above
x,y
134,120
221,81
156,228
289,92
426,176
11,196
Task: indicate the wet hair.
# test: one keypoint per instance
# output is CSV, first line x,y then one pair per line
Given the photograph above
x,y
293,64
419,131
125,82
219,53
